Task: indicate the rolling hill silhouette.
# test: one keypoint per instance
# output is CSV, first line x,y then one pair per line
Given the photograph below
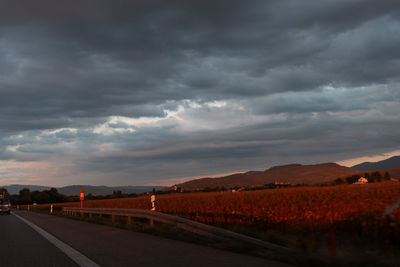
x,y
390,163
293,174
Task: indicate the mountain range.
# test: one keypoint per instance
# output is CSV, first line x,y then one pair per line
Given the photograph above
x,y
293,174
89,189
390,163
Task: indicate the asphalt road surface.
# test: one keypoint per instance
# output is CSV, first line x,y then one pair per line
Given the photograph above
x,y
21,245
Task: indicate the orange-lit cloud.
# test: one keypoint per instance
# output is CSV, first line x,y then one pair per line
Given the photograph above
x,y
32,172
373,158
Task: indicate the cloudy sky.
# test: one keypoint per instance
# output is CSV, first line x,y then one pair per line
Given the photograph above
x,y
152,92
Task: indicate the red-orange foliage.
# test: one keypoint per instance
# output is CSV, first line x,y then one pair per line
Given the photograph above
x,y
301,208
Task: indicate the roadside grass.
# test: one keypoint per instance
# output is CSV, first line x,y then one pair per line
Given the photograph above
x,y
310,250
313,250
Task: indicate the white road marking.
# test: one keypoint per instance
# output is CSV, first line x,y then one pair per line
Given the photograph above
x,y
75,255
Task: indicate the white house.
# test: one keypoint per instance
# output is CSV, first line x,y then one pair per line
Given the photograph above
x,y
361,180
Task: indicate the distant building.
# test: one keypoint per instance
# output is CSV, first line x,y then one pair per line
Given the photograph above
x,y
177,189
361,180
238,190
281,183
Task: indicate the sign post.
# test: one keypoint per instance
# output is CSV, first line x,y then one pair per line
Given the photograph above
x,y
82,197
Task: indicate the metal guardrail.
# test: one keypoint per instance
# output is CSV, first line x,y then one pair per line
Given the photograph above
x,y
392,208
182,223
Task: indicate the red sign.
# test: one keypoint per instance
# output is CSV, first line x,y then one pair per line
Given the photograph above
x,y
82,195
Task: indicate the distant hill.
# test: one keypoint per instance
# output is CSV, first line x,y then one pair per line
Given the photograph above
x,y
89,189
253,172
293,174
390,163
15,188
105,190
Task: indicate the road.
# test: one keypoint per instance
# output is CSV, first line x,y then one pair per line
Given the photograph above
x,y
21,245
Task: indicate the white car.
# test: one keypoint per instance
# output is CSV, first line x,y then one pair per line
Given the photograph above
x,y
5,205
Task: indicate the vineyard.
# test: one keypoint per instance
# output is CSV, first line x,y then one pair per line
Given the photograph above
x,y
349,208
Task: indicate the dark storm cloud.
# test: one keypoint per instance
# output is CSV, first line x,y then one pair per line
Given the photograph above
x,y
304,73
301,140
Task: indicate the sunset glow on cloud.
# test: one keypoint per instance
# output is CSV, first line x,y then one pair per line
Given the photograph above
x,y
153,93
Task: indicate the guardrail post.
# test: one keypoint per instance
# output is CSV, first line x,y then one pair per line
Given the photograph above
x,y
153,202
129,219
112,218
51,209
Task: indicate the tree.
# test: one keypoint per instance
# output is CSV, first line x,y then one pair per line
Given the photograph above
x,y
117,193
4,192
352,179
24,196
386,176
338,181
376,176
54,195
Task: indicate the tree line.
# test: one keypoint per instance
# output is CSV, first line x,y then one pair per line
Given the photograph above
x,y
26,196
371,177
